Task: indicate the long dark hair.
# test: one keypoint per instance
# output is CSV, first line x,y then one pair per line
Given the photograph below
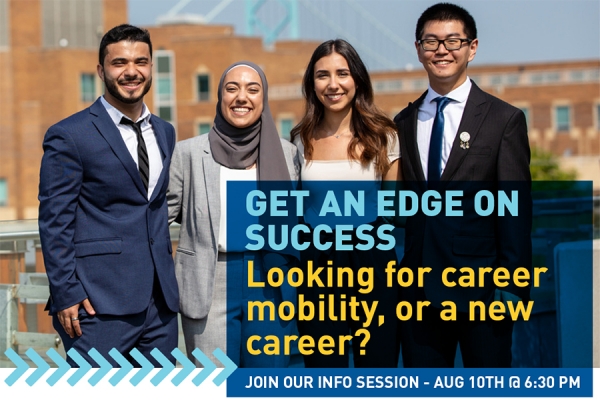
x,y
372,129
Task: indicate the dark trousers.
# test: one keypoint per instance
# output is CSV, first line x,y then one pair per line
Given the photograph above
x,y
382,348
155,327
432,342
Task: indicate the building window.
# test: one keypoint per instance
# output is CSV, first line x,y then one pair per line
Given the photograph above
x,y
72,24
513,79
163,64
88,87
577,76
3,193
165,113
285,127
203,87
537,78
387,86
563,122
203,128
552,77
164,89
163,68
496,80
419,84
4,24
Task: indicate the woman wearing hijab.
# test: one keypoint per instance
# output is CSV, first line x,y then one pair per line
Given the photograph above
x,y
348,145
243,145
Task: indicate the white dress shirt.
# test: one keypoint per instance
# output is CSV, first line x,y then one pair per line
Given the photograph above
x,y
130,138
227,175
452,114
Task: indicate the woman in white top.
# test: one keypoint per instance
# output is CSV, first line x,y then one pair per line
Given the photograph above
x,y
346,144
211,259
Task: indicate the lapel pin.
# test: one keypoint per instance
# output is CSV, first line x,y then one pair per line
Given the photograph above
x,y
464,140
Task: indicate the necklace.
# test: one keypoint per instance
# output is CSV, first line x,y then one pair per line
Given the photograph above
x,y
328,134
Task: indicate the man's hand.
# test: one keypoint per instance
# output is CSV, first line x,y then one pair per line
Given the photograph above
x,y
69,317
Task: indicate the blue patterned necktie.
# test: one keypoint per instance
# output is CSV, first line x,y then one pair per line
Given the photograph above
x,y
434,161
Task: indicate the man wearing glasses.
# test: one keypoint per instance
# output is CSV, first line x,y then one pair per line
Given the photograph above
x,y
456,136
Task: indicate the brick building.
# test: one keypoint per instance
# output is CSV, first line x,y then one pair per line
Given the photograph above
x,y
49,53
48,57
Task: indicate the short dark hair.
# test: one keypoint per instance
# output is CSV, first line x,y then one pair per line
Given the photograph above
x,y
123,32
447,12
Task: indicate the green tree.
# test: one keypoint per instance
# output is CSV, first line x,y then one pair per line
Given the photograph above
x,y
544,167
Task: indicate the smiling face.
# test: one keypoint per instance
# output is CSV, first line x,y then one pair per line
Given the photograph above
x,y
334,85
242,97
126,72
447,70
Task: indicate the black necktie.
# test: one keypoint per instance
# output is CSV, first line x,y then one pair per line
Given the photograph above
x,y
434,161
143,163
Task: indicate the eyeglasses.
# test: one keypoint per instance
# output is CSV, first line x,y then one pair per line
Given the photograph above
x,y
449,44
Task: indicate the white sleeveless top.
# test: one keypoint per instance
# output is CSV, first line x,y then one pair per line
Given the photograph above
x,y
322,176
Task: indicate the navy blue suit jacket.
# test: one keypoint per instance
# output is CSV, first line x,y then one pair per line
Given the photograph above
x,y
101,237
497,159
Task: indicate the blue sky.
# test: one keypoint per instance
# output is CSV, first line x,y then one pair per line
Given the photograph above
x,y
510,31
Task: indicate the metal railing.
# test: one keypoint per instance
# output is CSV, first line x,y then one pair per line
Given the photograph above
x,y
24,289
10,337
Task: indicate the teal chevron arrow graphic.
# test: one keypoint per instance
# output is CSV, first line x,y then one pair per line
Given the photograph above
x,y
147,367
229,366
188,367
84,367
125,367
166,370
208,365
22,367
105,367
42,366
63,367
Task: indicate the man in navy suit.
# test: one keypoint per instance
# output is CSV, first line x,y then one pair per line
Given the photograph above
x,y
456,136
103,213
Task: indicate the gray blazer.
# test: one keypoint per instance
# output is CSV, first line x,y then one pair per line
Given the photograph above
x,y
194,201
